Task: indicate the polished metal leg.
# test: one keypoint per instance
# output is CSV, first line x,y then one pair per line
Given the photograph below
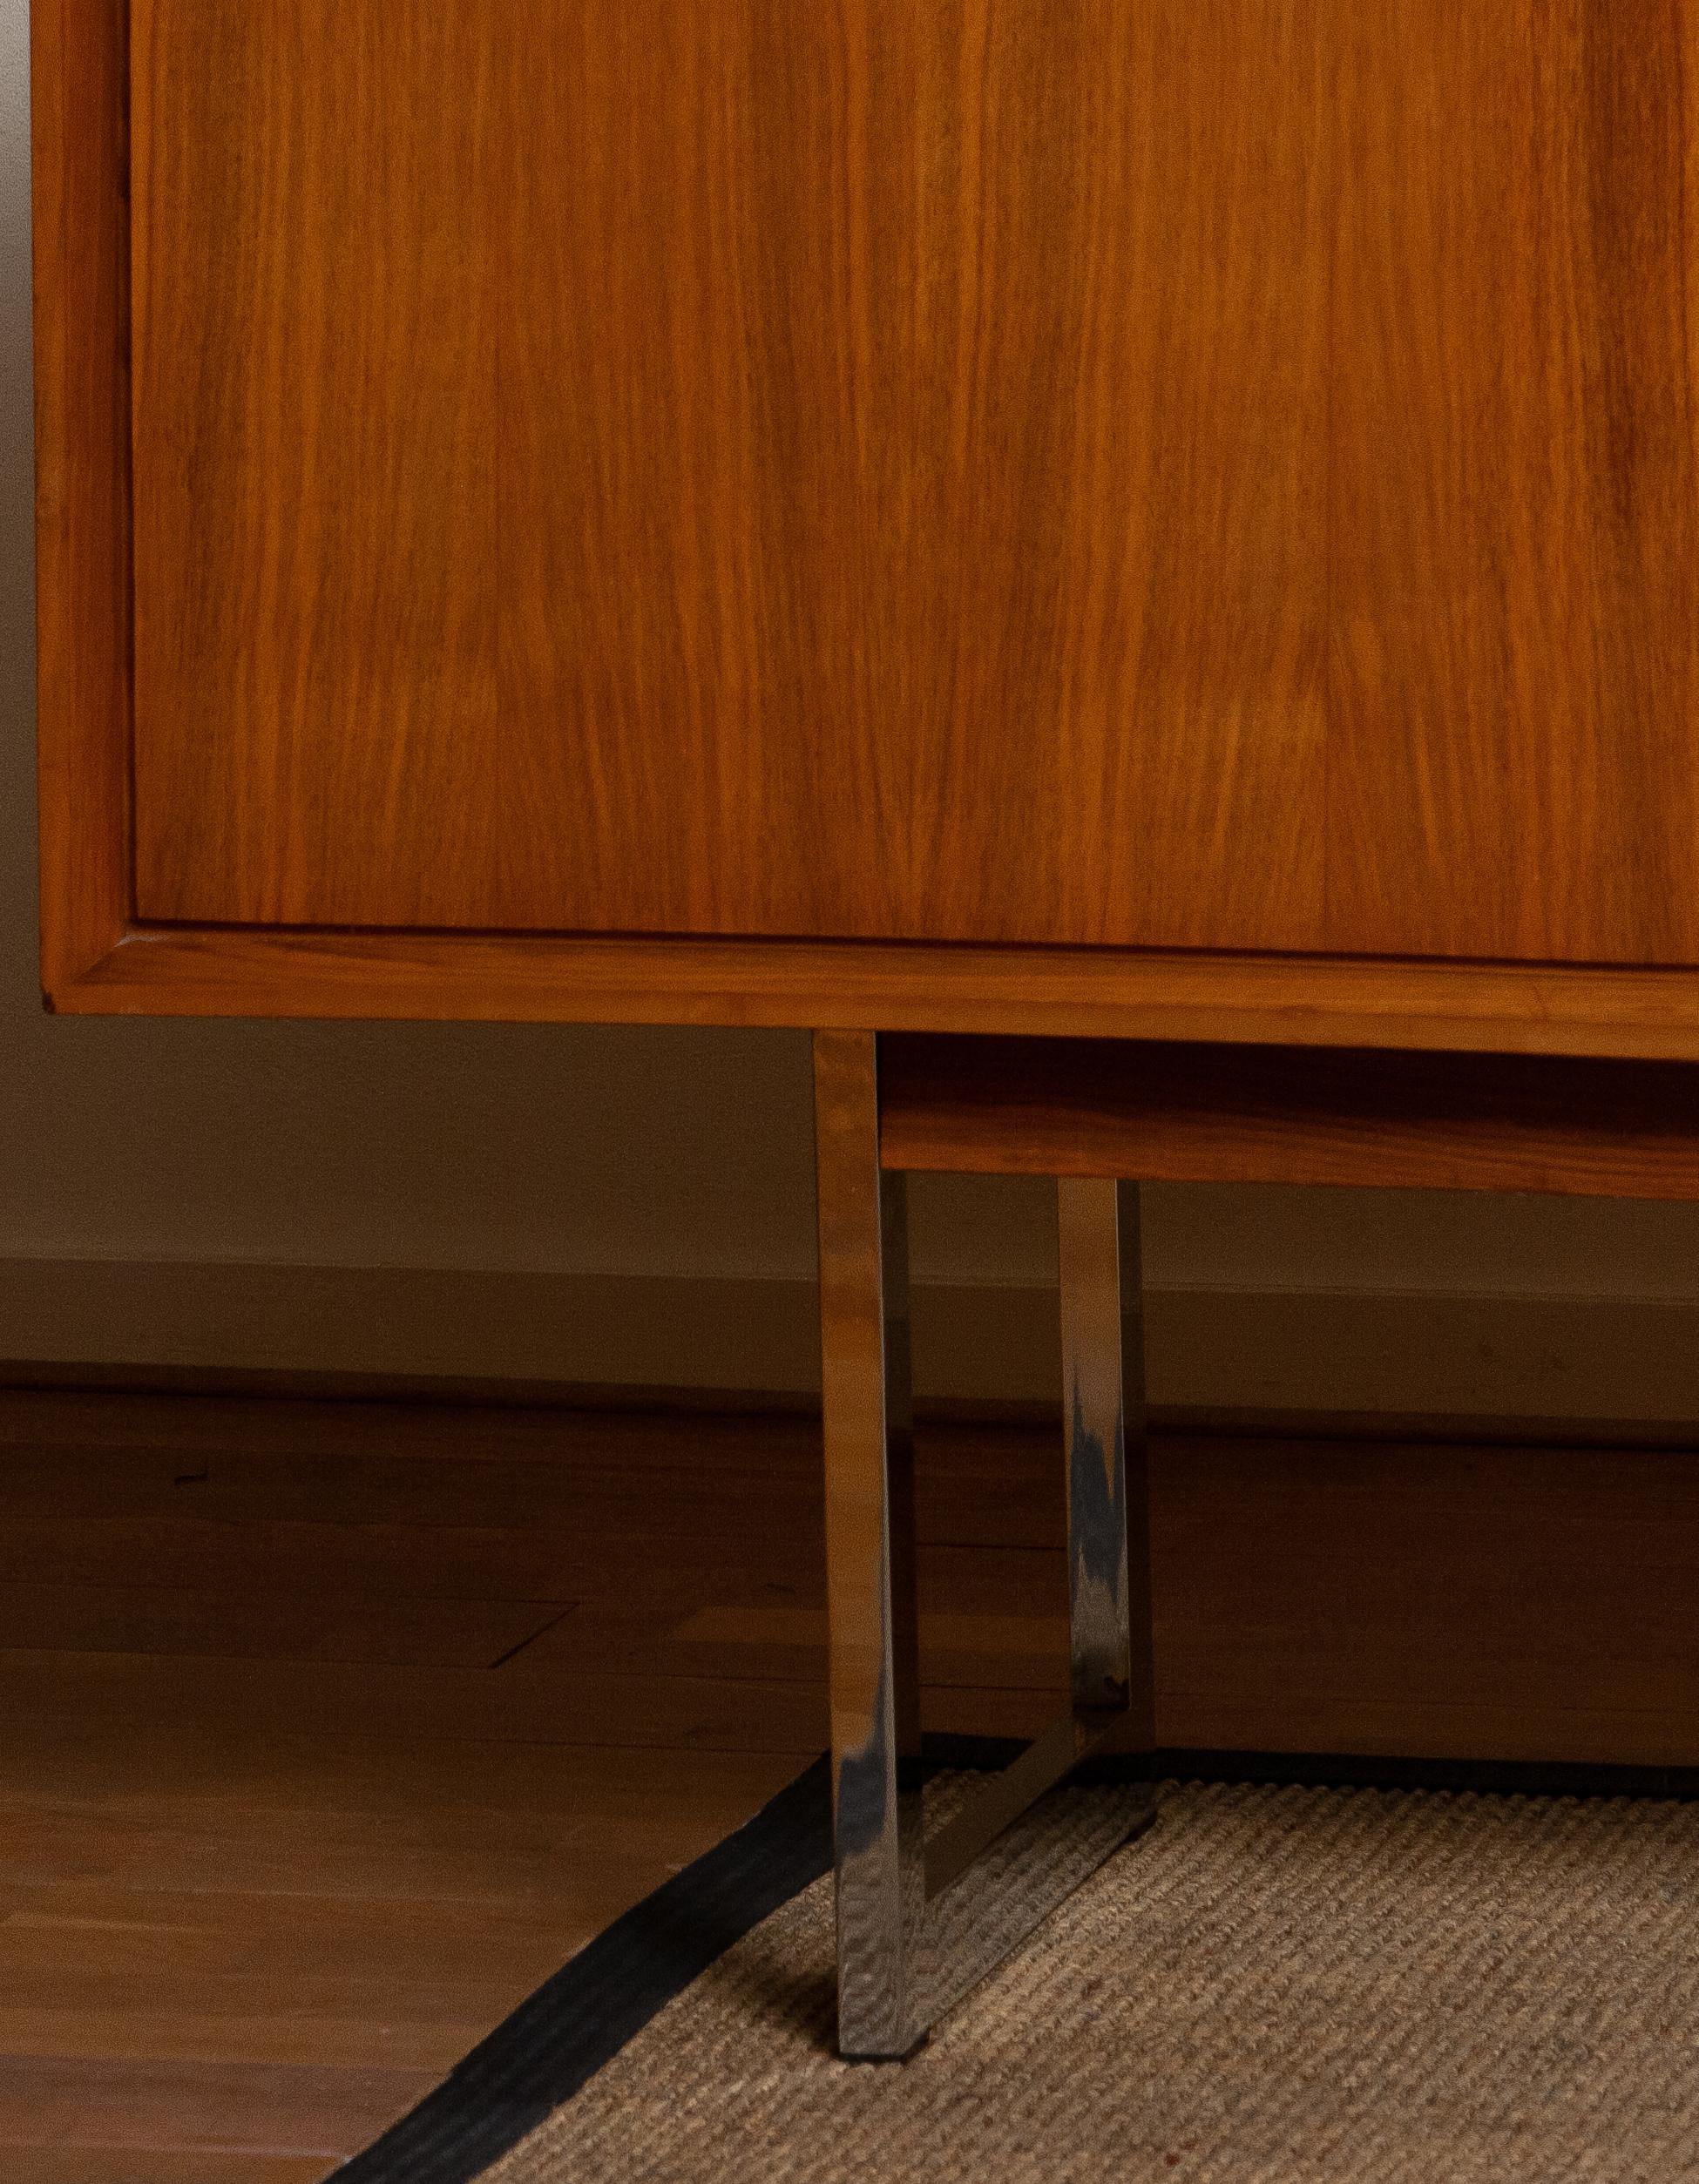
x,y
913,1934
1103,1423
877,1807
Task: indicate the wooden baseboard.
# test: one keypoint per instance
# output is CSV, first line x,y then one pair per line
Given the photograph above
x,y
1206,1422
1599,1368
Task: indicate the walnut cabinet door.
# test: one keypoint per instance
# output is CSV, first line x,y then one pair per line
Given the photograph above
x,y
1167,515
1205,473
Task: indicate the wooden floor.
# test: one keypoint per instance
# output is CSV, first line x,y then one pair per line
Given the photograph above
x,y
328,1730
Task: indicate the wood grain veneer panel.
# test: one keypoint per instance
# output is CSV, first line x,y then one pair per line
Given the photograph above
x,y
1193,1114
1178,476
907,487
315,461
914,468
1515,756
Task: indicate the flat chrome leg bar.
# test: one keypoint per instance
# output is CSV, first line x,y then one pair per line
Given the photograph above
x,y
911,1942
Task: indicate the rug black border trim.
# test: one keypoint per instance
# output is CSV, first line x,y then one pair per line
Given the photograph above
x,y
581,2018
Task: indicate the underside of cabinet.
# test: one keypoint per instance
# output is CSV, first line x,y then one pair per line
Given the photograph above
x,y
1197,1112
1177,522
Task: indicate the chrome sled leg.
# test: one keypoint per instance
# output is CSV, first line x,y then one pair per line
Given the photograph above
x,y
921,1918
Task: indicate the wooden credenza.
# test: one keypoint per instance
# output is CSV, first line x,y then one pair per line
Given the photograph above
x,y
1169,520
1132,564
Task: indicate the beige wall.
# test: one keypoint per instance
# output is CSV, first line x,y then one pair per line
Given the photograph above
x,y
558,1159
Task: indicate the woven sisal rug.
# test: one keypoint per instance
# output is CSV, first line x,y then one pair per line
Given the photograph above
x,y
1276,1984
